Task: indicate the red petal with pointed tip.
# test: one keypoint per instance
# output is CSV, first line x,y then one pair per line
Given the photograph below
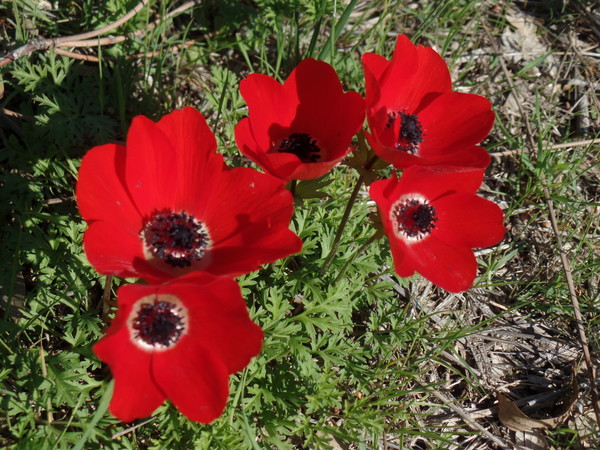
x,y
149,164
199,165
373,66
412,74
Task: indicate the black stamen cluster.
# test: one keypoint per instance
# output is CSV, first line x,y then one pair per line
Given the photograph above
x,y
411,131
176,238
303,146
158,324
415,219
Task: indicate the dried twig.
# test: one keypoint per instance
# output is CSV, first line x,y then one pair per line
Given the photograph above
x,y
74,55
464,415
563,257
8,112
90,39
133,428
552,147
92,58
45,44
45,375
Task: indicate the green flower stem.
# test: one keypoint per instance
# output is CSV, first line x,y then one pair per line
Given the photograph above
x,y
292,187
342,225
353,257
106,297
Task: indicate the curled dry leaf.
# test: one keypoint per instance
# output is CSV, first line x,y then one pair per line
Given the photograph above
x,y
516,420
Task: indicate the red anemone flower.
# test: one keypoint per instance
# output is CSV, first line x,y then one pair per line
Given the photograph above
x,y
300,129
180,341
165,205
413,116
433,220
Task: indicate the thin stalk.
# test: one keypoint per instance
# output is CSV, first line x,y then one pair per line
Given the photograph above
x,y
344,221
293,184
353,257
341,226
106,296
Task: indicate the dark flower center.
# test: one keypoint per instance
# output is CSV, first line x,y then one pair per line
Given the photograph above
x,y
159,325
411,131
414,218
176,238
302,145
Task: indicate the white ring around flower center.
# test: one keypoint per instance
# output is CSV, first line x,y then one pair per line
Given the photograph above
x,y
177,307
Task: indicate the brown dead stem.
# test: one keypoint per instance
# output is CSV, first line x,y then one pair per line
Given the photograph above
x,y
564,260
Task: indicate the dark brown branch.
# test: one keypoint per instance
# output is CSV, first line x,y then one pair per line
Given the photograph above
x,y
45,44
90,39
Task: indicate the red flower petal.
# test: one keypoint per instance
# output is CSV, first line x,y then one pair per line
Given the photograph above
x,y
220,318
451,268
100,191
198,163
431,74
469,221
248,222
413,73
151,159
194,379
113,249
453,121
374,67
268,105
330,116
433,183
338,128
